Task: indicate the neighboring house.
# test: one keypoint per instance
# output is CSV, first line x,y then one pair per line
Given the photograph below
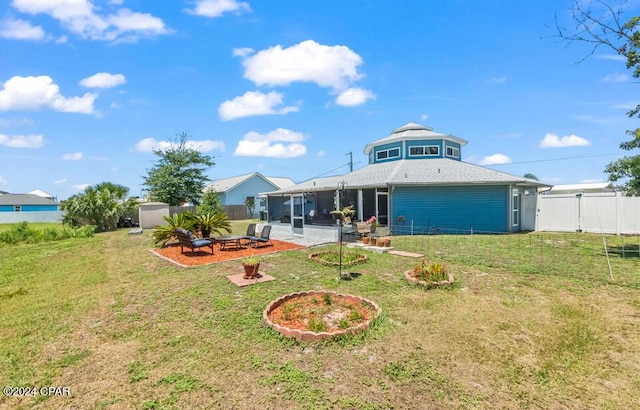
x,y
235,191
415,182
43,195
28,208
587,188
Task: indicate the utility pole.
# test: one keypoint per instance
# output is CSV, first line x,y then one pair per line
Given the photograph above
x,y
350,154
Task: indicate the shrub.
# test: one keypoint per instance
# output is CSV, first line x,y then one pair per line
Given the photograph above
x,y
431,272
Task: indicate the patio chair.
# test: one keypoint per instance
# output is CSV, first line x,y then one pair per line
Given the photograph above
x,y
187,240
263,238
251,233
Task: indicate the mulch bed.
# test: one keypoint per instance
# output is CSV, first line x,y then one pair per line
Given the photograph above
x,y
204,257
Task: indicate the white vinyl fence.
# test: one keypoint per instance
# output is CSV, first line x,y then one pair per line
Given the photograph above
x,y
604,212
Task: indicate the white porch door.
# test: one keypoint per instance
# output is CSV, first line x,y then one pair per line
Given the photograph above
x,y
297,214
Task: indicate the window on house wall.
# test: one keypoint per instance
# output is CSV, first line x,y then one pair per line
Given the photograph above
x,y
422,151
388,153
453,152
17,208
516,207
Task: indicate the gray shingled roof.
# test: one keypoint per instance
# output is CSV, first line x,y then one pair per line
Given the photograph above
x,y
24,199
227,184
413,131
432,171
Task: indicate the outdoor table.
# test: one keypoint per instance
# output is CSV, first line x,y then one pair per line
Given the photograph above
x,y
229,242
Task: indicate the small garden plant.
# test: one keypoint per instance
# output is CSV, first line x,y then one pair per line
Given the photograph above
x,y
431,271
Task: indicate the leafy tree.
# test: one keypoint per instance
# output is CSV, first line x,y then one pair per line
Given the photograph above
x,y
608,29
210,204
531,176
178,176
100,205
250,203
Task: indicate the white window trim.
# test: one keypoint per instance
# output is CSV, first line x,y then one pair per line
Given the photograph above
x,y
388,156
455,152
516,204
424,149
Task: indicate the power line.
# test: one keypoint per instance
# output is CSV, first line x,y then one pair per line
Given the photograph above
x,y
553,159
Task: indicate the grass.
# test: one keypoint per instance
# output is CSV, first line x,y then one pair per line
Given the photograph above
x,y
534,321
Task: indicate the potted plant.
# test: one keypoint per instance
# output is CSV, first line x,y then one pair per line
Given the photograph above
x,y
373,223
344,215
251,267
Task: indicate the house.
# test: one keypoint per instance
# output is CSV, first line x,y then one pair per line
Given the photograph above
x,y
415,182
28,208
235,191
43,195
592,187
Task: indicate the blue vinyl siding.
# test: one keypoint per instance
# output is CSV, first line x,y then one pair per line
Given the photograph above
x,y
251,187
481,208
385,147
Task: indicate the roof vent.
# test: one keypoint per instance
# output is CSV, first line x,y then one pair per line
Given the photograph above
x,y
412,126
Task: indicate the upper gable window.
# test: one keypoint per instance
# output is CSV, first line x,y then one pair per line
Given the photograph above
x,y
422,151
388,153
453,152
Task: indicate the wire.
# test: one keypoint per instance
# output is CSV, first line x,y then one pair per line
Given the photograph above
x,y
553,159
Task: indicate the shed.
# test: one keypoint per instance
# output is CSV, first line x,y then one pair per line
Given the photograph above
x,y
151,214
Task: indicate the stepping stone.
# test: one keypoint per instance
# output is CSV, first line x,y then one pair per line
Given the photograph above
x,y
409,254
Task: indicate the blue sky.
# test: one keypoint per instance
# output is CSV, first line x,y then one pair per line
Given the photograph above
x,y
288,88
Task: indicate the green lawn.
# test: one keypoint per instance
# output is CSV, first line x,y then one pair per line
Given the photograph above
x,y
534,321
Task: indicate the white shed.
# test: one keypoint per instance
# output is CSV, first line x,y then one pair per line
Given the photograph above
x,y
151,213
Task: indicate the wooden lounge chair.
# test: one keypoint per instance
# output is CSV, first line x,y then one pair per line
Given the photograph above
x,y
362,229
263,238
187,240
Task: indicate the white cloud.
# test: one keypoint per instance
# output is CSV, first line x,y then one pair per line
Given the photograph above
x,y
33,93
61,181
103,80
614,57
279,143
80,17
354,96
496,80
321,154
591,181
242,52
216,8
253,103
151,144
3,181
553,141
22,141
615,78
17,122
20,30
80,187
424,117
626,106
334,67
495,159
76,156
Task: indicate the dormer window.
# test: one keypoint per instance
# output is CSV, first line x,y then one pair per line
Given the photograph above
x,y
424,151
388,153
453,152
